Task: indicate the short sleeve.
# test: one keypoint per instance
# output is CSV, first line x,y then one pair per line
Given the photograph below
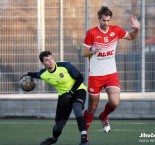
x,y
88,39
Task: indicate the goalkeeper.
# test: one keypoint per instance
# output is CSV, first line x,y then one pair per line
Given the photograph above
x,y
68,81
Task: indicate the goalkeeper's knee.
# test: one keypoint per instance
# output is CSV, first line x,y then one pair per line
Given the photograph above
x,y
77,107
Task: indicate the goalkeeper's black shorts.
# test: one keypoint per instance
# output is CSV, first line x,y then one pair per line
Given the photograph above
x,y
63,111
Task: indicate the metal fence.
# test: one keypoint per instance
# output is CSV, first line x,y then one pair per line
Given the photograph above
x,y
29,26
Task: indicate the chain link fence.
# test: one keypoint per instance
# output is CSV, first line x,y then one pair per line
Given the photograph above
x,y
28,27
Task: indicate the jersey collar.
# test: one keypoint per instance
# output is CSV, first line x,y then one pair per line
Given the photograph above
x,y
103,31
53,70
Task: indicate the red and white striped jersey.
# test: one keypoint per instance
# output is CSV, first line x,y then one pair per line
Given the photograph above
x,y
103,62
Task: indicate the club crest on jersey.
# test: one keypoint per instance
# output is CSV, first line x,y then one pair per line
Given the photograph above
x,y
61,75
91,89
112,34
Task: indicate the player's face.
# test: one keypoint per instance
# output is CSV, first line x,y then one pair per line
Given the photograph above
x,y
49,62
104,22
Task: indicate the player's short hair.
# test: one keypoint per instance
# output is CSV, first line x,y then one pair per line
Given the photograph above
x,y
44,54
104,11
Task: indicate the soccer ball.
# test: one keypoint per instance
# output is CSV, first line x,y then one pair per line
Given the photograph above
x,y
27,83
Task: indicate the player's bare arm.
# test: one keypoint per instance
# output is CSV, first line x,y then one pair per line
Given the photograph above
x,y
134,23
87,52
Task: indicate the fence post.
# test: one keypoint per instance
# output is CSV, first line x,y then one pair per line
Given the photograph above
x,y
143,45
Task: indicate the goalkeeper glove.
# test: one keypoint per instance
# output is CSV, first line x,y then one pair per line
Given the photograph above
x,y
30,74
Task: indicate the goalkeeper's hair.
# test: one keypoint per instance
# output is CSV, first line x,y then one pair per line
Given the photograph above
x,y
44,54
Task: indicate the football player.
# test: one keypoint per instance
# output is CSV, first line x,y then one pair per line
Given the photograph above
x,y
100,46
68,82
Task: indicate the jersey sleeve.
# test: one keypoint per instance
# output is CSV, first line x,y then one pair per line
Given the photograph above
x,y
72,70
74,73
121,32
40,73
88,41
36,74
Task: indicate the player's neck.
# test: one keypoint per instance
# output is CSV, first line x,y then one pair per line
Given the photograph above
x,y
51,70
104,30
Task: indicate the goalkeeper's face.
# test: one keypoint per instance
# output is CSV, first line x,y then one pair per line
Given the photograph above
x,y
48,62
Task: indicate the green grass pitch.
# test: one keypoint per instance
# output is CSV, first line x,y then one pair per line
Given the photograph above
x,y
33,131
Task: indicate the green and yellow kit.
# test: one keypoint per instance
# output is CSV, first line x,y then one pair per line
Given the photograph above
x,y
64,78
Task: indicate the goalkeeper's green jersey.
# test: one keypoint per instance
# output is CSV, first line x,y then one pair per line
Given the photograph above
x,y
62,78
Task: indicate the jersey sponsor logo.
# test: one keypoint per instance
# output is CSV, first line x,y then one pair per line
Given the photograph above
x,y
112,34
61,75
103,54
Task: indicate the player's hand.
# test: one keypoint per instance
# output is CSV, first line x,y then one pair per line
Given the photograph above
x,y
23,76
95,49
30,74
134,22
98,48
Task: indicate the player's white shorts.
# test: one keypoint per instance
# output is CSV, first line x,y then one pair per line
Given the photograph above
x,y
96,83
